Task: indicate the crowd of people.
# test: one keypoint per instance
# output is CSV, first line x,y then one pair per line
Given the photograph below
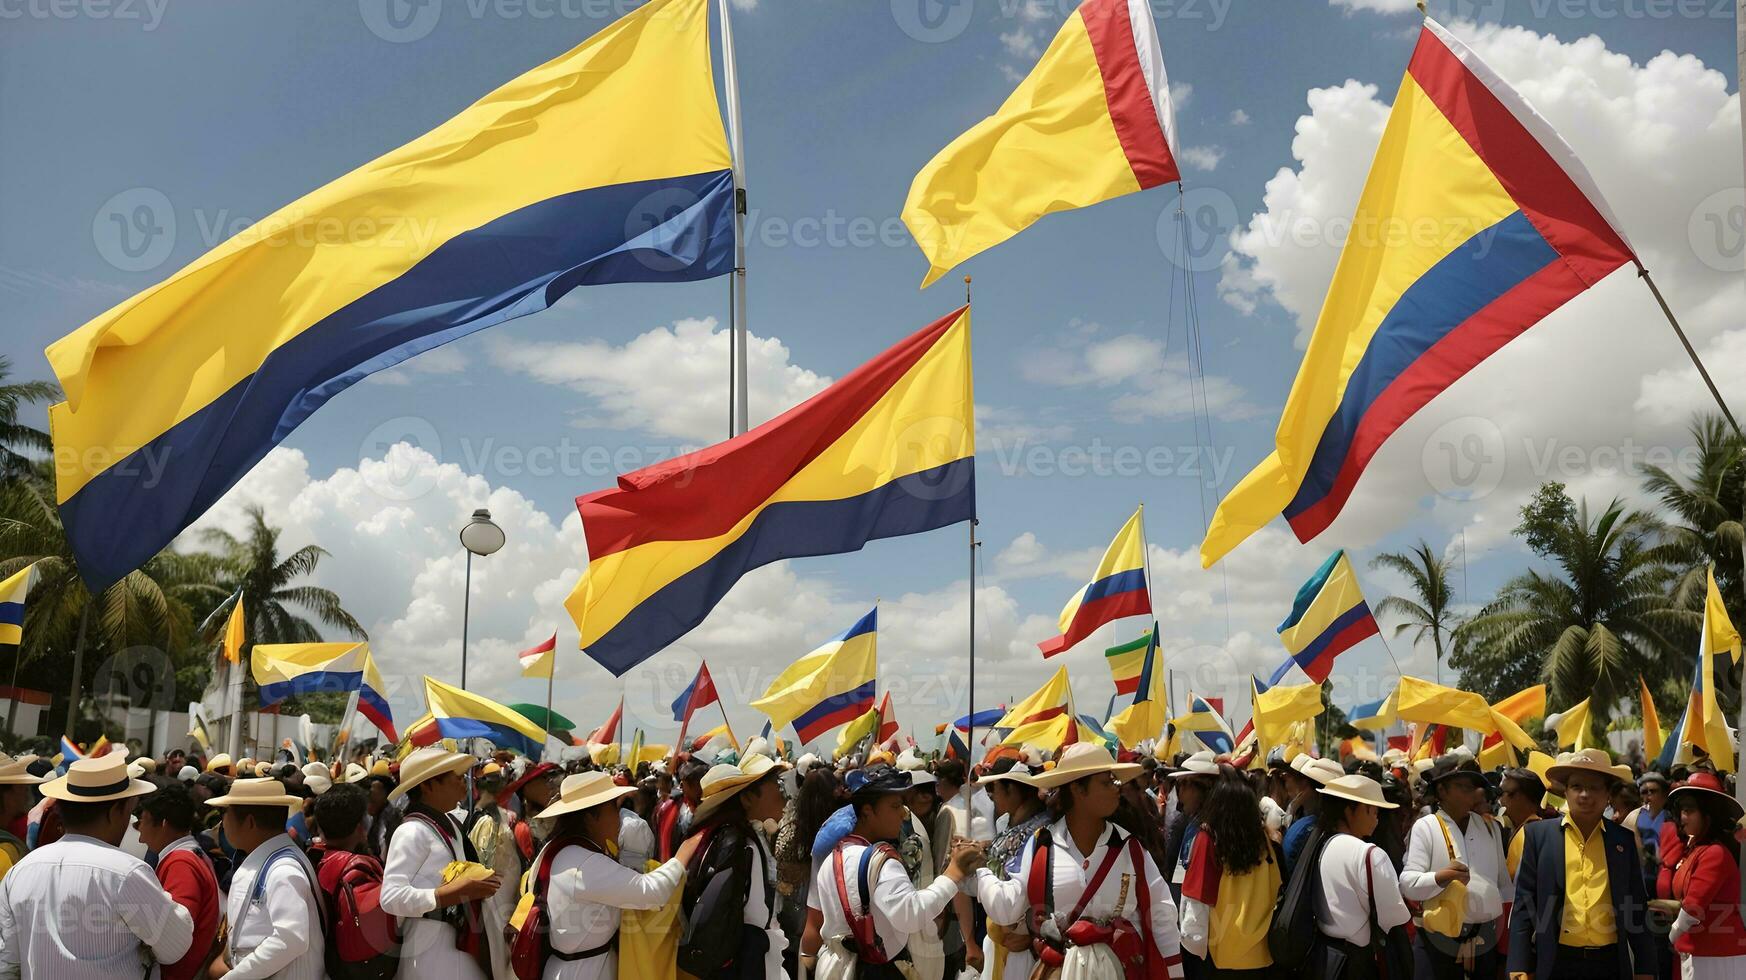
x,y
1083,865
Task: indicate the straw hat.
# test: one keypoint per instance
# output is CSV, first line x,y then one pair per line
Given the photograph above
x,y
220,764
356,773
100,780
381,768
1019,773
256,792
1323,771
722,782
316,769
1586,760
15,772
1199,764
188,774
1358,789
1454,764
1083,759
149,764
1707,784
582,790
318,783
426,764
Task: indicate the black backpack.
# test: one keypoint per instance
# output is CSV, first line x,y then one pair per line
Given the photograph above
x,y
1293,933
716,941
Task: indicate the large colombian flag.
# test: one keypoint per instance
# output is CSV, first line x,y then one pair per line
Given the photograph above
x,y
461,715
830,686
606,164
282,670
1519,229
1092,121
1328,617
887,450
1117,589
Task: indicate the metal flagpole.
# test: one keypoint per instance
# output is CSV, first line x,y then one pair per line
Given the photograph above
x,y
737,392
970,715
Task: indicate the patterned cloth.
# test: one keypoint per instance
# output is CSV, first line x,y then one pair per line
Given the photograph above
x,y
1009,845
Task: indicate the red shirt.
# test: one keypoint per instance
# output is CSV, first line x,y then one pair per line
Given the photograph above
x,y
187,876
1707,885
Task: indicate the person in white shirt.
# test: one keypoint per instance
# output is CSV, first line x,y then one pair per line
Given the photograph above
x,y
1458,843
272,911
494,843
1358,882
740,804
588,890
636,839
442,928
868,937
1093,872
81,908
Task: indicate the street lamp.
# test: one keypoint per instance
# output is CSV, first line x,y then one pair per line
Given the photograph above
x,y
480,537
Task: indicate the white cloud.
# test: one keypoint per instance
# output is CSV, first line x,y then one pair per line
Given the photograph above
x,y
1203,157
1589,392
1020,42
1180,93
670,381
1157,385
1239,117
1034,10
1379,6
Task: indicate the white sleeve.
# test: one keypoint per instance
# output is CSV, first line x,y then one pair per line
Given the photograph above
x,y
1418,873
288,904
606,882
1196,920
1683,924
9,966
1005,901
909,910
150,913
406,854
1391,910
1165,934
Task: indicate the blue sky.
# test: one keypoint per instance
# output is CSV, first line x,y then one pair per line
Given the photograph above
x,y
130,118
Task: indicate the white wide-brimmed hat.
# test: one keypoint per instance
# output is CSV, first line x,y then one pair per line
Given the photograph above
x,y
1019,773
99,780
1199,764
1358,789
722,782
1323,771
582,790
256,792
426,764
17,771
1083,759
356,773
1587,760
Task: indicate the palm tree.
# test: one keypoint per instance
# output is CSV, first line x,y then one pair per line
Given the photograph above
x,y
1588,626
1705,527
1427,613
16,438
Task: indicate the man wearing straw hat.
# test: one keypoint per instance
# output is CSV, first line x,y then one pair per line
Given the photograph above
x,y
81,908
272,911
16,800
1580,910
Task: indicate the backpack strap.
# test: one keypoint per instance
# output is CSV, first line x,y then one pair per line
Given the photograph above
x,y
258,893
867,944
1040,886
1111,855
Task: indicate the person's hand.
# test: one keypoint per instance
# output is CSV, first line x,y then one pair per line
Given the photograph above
x,y
966,856
1665,907
467,890
688,849
1456,871
973,956
1015,941
218,967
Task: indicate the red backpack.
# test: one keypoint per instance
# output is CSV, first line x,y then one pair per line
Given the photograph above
x,y
365,939
531,945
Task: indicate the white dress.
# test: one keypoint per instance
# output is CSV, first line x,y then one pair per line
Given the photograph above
x,y
417,855
587,895
899,909
1118,895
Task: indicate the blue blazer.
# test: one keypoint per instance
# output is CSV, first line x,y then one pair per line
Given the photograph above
x,y
1539,905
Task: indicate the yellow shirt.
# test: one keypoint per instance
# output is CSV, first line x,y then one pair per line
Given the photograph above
x,y
9,856
1240,920
1513,858
1588,895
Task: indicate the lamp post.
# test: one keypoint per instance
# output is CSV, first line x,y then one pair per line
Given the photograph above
x,y
480,537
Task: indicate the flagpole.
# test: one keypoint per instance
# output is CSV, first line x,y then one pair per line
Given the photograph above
x,y
551,676
970,714
737,333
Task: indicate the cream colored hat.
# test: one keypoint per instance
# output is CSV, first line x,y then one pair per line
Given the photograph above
x,y
1083,759
1586,760
316,769
582,790
1323,771
219,762
1199,764
1358,789
98,780
722,782
426,764
17,771
256,792
1019,773
356,773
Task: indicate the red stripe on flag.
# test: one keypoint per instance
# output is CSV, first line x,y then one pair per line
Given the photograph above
x,y
1091,615
1131,109
1319,668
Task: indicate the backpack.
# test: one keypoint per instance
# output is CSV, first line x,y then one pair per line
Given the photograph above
x,y
530,931
714,903
1293,932
366,940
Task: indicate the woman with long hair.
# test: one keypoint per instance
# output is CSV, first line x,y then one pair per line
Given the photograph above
x,y
1704,892
1359,888
1097,887
588,889
813,803
1232,883
740,806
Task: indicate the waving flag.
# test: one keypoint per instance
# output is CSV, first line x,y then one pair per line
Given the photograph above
x,y
700,693
69,751
863,726
887,719
1572,726
537,661
235,631
1328,617
1500,747
1282,706
830,686
285,669
956,747
1144,718
987,718
1206,723
1651,721
1048,735
541,186
12,592
1407,315
1373,715
1127,661
1091,122
197,726
608,732
461,715
1703,725
1046,702
1117,589
887,450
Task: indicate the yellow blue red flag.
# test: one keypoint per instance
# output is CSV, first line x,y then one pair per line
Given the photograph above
x,y
1328,617
887,450
830,686
12,593
461,715
1046,702
282,670
1117,589
606,164
1703,725
1477,221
